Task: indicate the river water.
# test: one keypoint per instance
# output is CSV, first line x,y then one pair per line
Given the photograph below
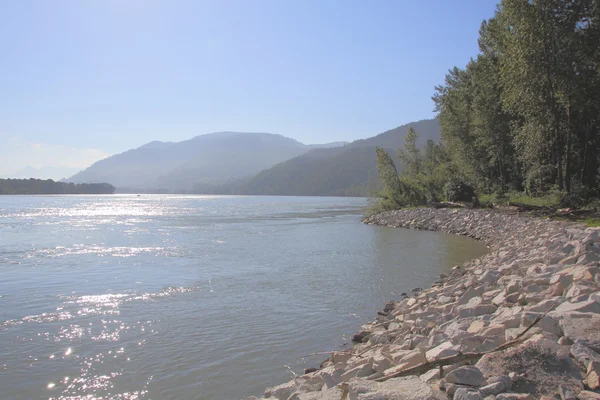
x,y
192,297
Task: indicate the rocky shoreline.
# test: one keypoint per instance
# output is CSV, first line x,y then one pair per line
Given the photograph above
x,y
521,322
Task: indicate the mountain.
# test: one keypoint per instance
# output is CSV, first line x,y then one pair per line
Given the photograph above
x,y
47,172
208,160
350,170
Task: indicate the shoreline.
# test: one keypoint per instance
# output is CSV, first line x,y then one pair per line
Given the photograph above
x,y
521,322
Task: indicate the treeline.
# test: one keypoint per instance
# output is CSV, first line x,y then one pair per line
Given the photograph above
x,y
524,115
48,186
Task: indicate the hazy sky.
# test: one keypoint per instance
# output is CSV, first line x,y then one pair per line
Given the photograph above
x,y
83,79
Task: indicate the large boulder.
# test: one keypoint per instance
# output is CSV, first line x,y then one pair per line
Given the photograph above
x,y
408,388
583,328
542,365
467,375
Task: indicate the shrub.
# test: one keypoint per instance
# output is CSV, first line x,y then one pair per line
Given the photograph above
x,y
458,191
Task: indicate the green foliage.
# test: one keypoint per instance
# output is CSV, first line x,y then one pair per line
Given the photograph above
x,y
422,178
549,199
48,186
592,222
410,155
457,190
525,113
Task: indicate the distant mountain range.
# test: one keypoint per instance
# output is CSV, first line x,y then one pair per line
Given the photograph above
x,y
344,171
211,159
252,163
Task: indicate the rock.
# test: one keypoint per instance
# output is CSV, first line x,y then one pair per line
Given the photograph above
x,y
466,394
544,364
508,317
360,371
544,306
582,327
494,330
566,393
446,349
492,389
282,391
380,361
547,323
587,395
467,375
310,385
335,393
592,378
563,341
408,388
310,370
569,260
476,326
515,396
577,290
505,380
469,294
514,377
393,326
380,338
331,376
389,306
584,354
409,358
499,299
361,336
588,257
430,375
589,306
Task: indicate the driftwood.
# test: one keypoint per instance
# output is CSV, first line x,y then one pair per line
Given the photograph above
x,y
527,207
459,358
448,204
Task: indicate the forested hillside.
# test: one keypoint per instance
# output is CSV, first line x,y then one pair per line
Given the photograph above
x,y
344,171
523,116
48,186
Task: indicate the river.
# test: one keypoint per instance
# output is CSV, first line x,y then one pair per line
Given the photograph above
x,y
192,297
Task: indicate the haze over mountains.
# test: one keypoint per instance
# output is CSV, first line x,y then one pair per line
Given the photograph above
x,y
46,172
251,163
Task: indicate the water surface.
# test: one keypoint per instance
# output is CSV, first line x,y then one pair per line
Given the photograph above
x,y
192,297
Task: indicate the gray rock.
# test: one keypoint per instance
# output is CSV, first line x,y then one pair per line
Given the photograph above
x,y
587,395
592,378
327,394
515,396
566,393
430,375
282,391
492,389
543,365
584,354
583,328
589,306
505,380
466,394
467,375
408,388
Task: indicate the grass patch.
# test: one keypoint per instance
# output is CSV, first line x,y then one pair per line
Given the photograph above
x,y
548,200
592,222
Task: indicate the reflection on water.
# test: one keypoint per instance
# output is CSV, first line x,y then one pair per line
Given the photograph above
x,y
205,297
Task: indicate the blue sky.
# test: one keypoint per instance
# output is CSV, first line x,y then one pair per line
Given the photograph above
x,y
81,80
